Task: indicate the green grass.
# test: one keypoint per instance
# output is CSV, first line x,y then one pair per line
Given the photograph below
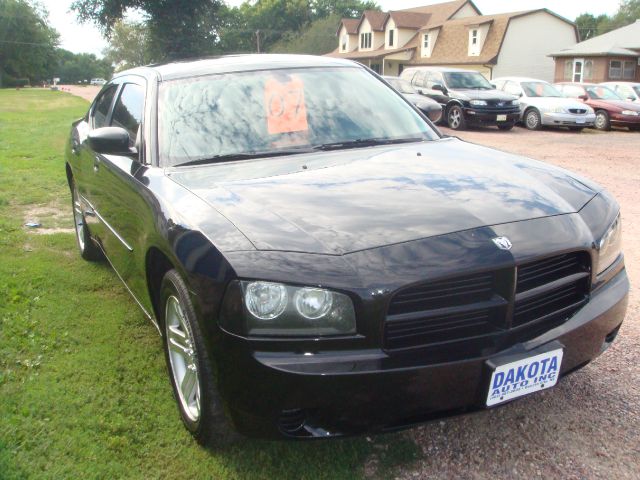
x,y
84,391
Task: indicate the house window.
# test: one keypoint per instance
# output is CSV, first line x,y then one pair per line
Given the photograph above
x,y
425,41
474,37
376,68
568,70
391,39
587,72
629,70
365,40
345,40
615,69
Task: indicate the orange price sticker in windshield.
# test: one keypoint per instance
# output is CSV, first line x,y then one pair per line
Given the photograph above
x,y
284,105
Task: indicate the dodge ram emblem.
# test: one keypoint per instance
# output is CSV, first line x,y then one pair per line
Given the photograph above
x,y
503,243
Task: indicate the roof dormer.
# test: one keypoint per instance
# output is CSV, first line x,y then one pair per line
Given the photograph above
x,y
477,34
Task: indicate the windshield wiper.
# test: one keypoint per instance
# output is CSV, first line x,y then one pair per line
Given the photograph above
x,y
365,142
243,156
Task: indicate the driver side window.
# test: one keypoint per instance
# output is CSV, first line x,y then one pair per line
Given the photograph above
x,y
101,108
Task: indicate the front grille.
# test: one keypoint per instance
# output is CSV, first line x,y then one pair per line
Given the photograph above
x,y
578,111
456,291
551,289
486,309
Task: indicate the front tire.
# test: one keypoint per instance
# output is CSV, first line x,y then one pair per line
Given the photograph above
x,y
88,250
506,126
603,122
576,129
455,118
190,368
532,120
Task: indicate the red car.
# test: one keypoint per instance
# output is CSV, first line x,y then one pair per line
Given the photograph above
x,y
611,109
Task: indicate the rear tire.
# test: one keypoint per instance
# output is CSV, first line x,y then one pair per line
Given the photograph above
x,y
190,367
88,250
602,121
455,118
532,119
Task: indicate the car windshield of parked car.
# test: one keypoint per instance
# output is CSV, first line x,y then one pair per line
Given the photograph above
x,y
280,112
467,80
402,86
602,93
540,89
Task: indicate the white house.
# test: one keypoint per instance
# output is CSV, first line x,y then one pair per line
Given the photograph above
x,y
456,34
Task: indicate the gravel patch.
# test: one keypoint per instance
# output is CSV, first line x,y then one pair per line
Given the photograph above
x,y
588,426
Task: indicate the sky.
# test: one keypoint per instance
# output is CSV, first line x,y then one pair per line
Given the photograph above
x,y
86,38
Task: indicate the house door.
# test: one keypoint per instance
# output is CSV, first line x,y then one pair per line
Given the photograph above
x,y
578,67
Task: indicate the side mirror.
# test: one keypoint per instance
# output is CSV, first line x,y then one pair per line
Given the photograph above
x,y
584,97
109,140
439,87
631,99
420,91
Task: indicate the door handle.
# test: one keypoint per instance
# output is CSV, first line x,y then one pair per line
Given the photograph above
x,y
96,164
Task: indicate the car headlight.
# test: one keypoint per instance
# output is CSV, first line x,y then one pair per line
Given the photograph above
x,y
630,112
559,110
515,102
478,103
610,246
277,309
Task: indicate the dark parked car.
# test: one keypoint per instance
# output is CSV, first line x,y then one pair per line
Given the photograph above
x,y
430,108
611,109
467,98
320,261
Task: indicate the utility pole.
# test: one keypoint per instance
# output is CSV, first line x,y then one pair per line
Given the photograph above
x,y
258,40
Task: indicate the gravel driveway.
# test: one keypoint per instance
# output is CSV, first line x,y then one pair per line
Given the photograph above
x,y
588,426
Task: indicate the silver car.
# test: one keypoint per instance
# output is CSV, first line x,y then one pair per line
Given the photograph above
x,y
627,90
541,104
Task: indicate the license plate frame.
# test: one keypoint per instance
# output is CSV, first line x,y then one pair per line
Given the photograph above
x,y
501,118
515,376
580,120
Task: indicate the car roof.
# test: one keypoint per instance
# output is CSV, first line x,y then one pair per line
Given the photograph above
x,y
441,69
619,83
518,79
235,63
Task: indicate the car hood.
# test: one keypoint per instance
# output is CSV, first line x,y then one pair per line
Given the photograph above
x,y
545,103
470,94
340,202
615,105
417,99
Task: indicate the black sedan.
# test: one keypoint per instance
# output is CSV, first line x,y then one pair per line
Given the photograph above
x,y
430,108
319,261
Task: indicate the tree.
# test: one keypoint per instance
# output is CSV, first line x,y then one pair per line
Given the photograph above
x,y
587,25
341,8
80,67
177,28
129,45
27,42
317,39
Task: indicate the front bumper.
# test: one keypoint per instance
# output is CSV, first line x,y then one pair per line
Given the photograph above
x,y
619,120
568,120
300,394
480,117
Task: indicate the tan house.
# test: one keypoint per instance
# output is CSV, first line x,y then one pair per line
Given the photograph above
x,y
613,56
456,34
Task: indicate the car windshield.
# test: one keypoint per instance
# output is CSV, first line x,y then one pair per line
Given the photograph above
x,y
540,89
401,85
280,112
602,93
467,80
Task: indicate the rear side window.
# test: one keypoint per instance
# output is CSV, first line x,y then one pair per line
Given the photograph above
x,y
571,91
418,80
101,109
128,110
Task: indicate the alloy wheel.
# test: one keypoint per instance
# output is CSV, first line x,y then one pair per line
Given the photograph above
x,y
601,120
532,120
182,358
454,118
78,218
